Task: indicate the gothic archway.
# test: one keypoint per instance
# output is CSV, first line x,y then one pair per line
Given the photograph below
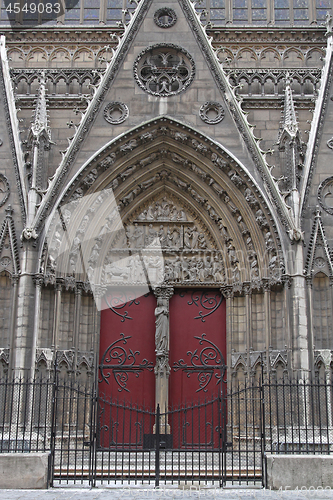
x,y
160,207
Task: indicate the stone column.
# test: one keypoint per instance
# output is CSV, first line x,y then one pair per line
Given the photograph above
x,y
162,339
15,281
248,308
310,322
77,317
227,292
56,315
39,281
267,308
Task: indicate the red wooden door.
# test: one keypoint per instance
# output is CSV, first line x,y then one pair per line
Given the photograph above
x,y
197,360
126,372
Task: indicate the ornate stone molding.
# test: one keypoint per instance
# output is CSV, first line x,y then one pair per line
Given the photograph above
x,y
12,144
317,126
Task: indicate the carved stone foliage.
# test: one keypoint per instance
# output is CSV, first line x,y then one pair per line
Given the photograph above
x,y
4,189
164,69
211,112
325,195
115,112
165,17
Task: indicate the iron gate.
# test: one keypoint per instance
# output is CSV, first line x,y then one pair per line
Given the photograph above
x,y
115,441
100,439
218,440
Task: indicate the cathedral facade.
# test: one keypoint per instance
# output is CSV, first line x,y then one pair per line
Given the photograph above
x,y
166,183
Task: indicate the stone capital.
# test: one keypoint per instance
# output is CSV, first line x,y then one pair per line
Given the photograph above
x,y
163,292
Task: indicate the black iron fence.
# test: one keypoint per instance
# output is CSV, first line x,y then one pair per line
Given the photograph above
x,y
95,438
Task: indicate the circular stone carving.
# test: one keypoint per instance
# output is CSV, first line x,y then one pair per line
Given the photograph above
x,y
164,69
116,112
325,195
4,189
211,112
165,17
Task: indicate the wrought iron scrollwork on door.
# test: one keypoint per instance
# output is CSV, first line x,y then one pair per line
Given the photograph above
x,y
206,363
209,302
120,362
121,300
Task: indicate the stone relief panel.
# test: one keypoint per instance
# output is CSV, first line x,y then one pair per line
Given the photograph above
x,y
167,245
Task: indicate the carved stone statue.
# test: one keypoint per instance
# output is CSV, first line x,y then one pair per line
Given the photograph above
x,y
162,327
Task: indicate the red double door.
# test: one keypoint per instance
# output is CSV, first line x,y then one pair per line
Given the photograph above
x,y
197,348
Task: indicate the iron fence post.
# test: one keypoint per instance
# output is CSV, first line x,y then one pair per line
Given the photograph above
x,y
93,429
263,425
157,447
53,423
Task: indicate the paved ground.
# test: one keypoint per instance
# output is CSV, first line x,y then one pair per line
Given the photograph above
x,y
171,493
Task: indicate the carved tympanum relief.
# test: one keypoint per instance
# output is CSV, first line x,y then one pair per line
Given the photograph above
x,y
174,248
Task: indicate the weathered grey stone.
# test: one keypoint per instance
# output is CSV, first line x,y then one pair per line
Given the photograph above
x,y
299,471
24,470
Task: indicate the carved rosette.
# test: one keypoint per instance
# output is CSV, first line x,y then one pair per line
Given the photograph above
x,y
165,17
115,112
211,112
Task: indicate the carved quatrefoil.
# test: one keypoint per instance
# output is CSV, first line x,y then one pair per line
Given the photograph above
x,y
212,112
165,17
116,112
164,69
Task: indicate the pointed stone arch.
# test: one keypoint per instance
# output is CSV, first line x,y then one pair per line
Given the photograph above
x,y
166,158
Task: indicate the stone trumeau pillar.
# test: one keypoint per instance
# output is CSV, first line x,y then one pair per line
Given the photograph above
x,y
162,340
